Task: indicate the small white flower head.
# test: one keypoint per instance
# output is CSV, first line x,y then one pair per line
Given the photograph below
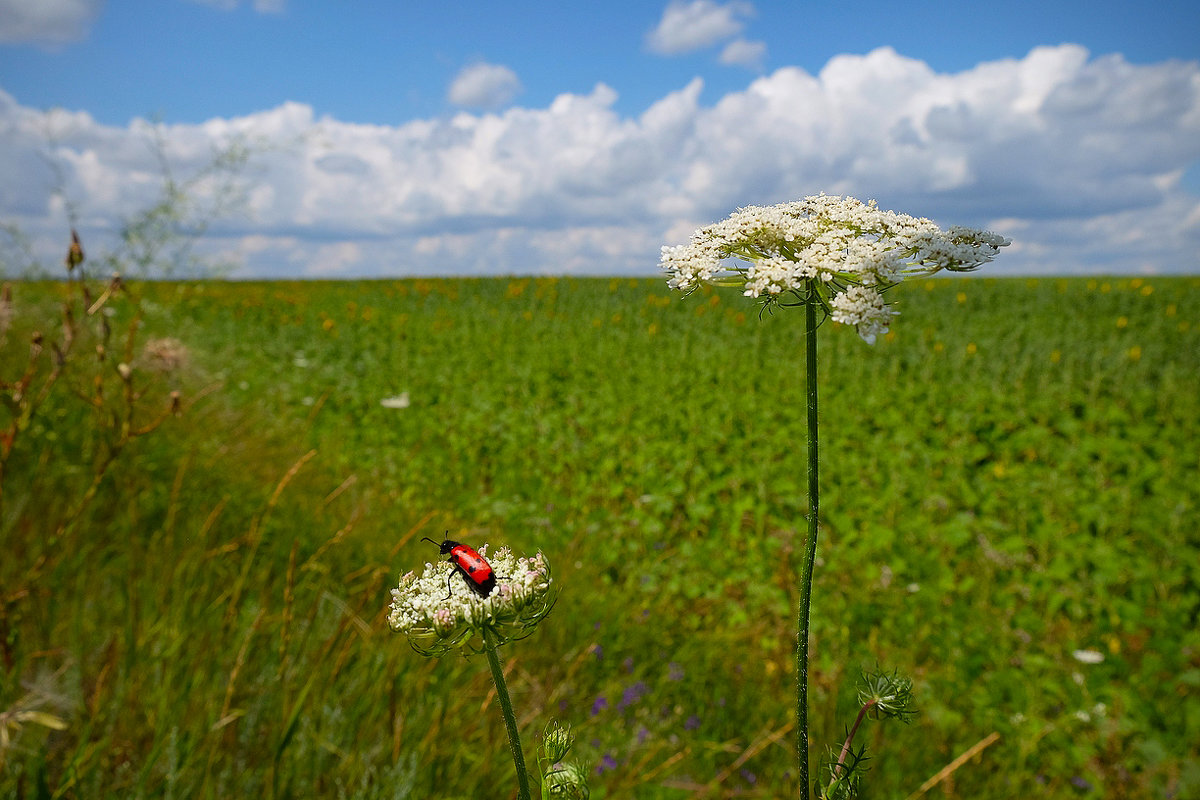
x,y
398,401
435,624
835,251
865,309
1088,656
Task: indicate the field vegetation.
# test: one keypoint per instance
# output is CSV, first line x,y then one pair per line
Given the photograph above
x,y
194,604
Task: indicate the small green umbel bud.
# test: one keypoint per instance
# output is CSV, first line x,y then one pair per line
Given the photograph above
x,y
557,742
568,781
887,695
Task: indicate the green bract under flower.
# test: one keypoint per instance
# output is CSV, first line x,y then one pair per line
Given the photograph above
x,y
836,251
435,624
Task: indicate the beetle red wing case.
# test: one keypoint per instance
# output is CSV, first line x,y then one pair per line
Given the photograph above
x,y
471,562
478,571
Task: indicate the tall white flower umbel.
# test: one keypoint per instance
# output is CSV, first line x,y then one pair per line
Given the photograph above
x,y
836,251
834,257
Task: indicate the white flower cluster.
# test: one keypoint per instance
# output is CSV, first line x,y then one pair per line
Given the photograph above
x,y
837,251
865,309
436,623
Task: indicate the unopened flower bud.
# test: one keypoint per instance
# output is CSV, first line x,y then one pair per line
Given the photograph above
x,y
568,781
557,742
125,371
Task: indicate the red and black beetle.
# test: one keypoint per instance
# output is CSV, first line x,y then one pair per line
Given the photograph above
x,y
477,572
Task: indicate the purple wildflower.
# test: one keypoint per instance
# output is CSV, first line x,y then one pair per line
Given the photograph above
x,y
632,695
607,763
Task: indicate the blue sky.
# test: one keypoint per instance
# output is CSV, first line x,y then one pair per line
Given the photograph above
x,y
469,137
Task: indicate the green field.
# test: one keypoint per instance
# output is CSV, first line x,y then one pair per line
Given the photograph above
x,y
1009,478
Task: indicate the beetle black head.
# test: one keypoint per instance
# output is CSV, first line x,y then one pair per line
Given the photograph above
x,y
445,546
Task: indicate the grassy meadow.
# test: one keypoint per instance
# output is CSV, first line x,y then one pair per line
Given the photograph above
x,y
1009,495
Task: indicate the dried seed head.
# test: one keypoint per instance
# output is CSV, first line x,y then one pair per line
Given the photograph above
x,y
6,308
164,355
74,252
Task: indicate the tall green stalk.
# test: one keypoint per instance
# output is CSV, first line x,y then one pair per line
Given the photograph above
x,y
810,550
510,719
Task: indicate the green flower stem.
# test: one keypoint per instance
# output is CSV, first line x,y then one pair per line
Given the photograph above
x,y
810,551
510,719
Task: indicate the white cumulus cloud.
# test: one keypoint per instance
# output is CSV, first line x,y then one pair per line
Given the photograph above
x,y
47,22
485,86
688,25
743,53
1078,158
